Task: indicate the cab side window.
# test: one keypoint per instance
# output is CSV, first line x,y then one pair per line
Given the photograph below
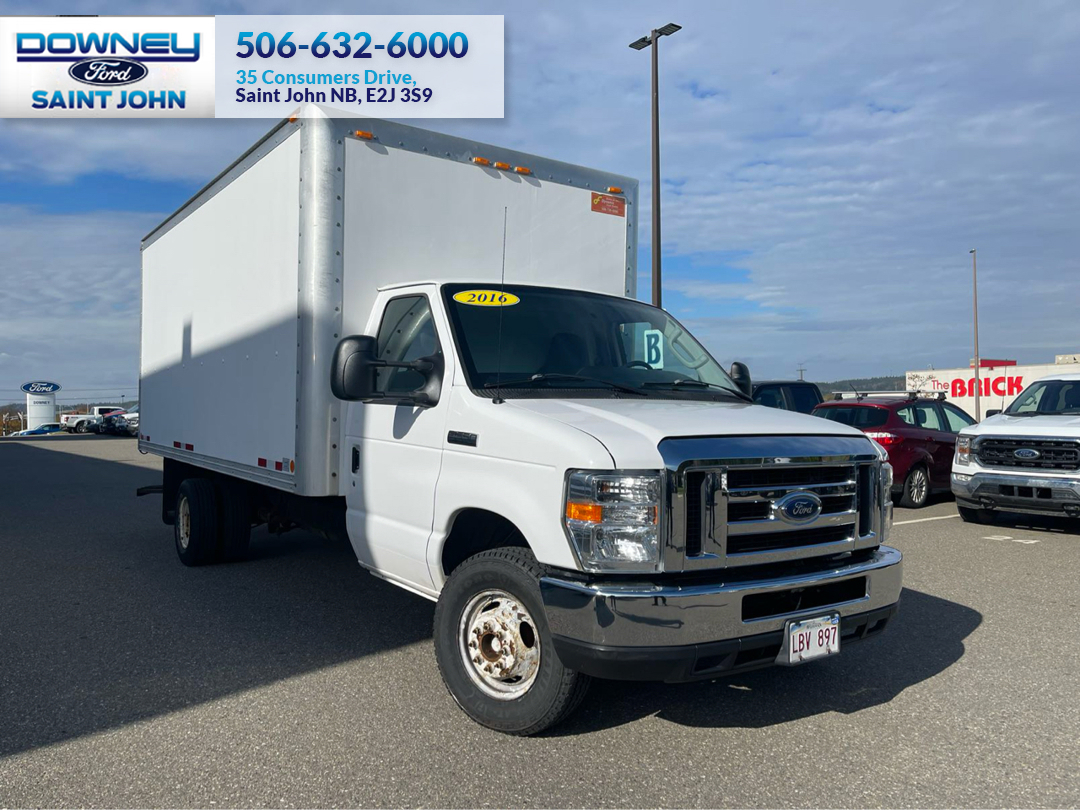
x,y
407,332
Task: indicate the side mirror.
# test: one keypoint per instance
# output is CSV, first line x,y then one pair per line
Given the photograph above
x,y
740,375
354,367
993,412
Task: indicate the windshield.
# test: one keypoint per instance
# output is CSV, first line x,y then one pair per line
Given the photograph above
x,y
522,340
1047,399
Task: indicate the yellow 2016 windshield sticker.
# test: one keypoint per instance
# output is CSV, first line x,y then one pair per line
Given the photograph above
x,y
486,298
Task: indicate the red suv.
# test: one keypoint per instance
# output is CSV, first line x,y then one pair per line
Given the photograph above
x,y
918,431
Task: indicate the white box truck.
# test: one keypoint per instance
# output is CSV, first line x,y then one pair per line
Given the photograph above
x,y
432,346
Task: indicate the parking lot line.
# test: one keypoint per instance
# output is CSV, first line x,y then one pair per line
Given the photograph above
x,y
923,520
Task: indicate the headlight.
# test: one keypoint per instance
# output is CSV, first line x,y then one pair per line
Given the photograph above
x,y
963,451
613,519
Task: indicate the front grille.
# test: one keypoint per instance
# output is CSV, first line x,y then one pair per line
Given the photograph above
x,y
770,541
1054,454
792,477
737,513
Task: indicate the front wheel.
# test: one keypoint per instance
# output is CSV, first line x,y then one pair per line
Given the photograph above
x,y
916,489
81,427
494,648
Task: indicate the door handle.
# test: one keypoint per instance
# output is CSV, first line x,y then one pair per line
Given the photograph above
x,y
355,459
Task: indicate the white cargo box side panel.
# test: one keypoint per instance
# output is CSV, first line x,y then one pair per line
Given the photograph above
x,y
416,217
219,325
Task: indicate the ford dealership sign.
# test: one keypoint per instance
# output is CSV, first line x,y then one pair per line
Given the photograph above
x,y
40,387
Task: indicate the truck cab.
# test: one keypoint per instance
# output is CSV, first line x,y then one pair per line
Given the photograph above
x,y
675,528
1025,459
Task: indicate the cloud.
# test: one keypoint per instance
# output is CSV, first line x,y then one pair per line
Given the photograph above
x,y
69,296
849,157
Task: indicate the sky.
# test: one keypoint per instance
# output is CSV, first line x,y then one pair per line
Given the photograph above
x,y
825,170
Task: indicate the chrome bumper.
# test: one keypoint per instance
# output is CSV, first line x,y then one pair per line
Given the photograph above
x,y
640,615
1022,492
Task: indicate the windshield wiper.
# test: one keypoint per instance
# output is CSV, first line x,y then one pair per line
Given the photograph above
x,y
697,384
535,378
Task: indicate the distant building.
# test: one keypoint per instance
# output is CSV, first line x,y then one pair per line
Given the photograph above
x,y
1000,381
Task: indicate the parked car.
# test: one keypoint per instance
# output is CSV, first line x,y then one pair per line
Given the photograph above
x,y
789,395
918,430
108,422
127,424
1027,459
86,422
41,430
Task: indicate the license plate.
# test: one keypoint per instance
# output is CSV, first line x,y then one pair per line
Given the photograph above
x,y
808,639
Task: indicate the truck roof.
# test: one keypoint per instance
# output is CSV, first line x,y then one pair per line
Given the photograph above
x,y
412,139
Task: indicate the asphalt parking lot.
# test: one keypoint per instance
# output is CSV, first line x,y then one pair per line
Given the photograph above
x,y
296,679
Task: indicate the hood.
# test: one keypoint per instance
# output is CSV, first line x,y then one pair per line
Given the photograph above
x,y
631,430
1066,426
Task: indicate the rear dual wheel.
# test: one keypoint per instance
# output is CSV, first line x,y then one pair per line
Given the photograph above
x,y
212,522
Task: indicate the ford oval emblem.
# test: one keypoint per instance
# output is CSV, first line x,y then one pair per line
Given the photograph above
x,y
1027,454
798,507
111,71
40,387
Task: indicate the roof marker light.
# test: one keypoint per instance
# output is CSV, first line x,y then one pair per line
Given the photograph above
x,y
500,165
479,161
363,133
614,190
522,170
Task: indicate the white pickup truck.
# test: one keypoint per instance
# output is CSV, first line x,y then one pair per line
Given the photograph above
x,y
431,346
83,422
1025,459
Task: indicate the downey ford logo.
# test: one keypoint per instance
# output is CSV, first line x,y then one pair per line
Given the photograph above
x,y
102,67
798,507
75,46
109,72
40,387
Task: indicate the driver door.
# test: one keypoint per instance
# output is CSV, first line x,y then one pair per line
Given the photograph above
x,y
394,449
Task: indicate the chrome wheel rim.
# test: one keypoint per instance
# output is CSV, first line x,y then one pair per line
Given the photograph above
x,y
919,486
499,644
183,523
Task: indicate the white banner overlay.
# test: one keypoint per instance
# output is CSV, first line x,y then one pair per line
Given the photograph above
x,y
415,66
106,67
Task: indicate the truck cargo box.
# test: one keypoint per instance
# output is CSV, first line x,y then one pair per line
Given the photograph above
x,y
248,287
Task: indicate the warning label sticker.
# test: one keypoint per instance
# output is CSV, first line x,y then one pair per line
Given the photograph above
x,y
606,204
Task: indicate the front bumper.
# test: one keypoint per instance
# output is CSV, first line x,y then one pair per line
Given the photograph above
x,y
681,632
1018,492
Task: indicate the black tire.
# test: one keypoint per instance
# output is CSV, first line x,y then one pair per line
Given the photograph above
x,y
234,514
196,528
555,691
916,488
81,427
969,515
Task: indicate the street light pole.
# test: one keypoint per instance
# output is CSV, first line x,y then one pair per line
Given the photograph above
x,y
654,40
975,310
